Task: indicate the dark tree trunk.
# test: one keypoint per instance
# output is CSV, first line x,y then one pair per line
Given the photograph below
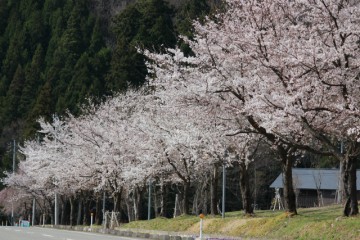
x,y
186,197
71,199
342,185
117,201
85,212
78,219
97,211
63,210
137,201
214,192
52,220
245,189
289,193
162,200
351,206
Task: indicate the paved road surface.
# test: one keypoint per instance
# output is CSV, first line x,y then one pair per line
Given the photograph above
x,y
35,233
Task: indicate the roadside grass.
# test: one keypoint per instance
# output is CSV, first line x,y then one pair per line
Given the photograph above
x,y
310,223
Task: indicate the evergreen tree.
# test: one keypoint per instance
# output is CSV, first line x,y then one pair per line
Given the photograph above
x,y
4,16
97,41
156,28
145,24
43,105
12,59
13,96
3,23
35,30
76,91
32,81
190,11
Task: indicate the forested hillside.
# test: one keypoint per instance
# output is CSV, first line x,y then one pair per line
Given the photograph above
x,y
55,54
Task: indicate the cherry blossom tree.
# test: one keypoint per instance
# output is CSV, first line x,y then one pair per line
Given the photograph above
x,y
290,68
301,62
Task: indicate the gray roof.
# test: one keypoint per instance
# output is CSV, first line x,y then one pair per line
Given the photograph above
x,y
313,178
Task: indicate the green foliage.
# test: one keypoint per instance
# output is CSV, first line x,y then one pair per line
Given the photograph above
x,y
52,57
145,24
13,96
32,81
190,11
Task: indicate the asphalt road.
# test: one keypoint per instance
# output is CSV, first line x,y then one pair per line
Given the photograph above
x,y
35,233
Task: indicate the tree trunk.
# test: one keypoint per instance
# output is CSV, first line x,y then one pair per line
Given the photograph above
x,y
214,192
245,189
136,201
128,208
97,211
186,199
341,194
289,193
52,220
78,219
162,200
85,213
117,201
71,199
351,207
63,210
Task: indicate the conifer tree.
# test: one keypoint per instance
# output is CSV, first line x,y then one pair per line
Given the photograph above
x,y
32,81
146,24
13,96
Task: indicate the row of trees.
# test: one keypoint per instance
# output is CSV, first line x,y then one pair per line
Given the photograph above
x,y
123,144
277,71
288,70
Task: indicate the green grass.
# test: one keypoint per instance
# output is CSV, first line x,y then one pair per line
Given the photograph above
x,y
310,223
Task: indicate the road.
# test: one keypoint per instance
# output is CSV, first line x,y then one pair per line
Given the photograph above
x,y
35,233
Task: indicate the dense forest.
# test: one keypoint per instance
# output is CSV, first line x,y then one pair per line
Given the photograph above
x,y
55,55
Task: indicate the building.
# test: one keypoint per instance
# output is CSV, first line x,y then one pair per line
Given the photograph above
x,y
315,186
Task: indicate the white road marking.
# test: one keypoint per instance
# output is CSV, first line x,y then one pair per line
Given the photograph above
x,y
30,232
17,230
46,235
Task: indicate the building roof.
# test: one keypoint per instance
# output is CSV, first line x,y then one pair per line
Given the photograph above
x,y
314,178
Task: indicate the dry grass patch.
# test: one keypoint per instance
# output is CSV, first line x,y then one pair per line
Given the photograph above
x,y
311,223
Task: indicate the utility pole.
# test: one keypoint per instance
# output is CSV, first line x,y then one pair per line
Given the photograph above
x,y
103,210
33,213
255,185
149,202
340,192
56,210
223,186
223,192
14,156
56,198
13,168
